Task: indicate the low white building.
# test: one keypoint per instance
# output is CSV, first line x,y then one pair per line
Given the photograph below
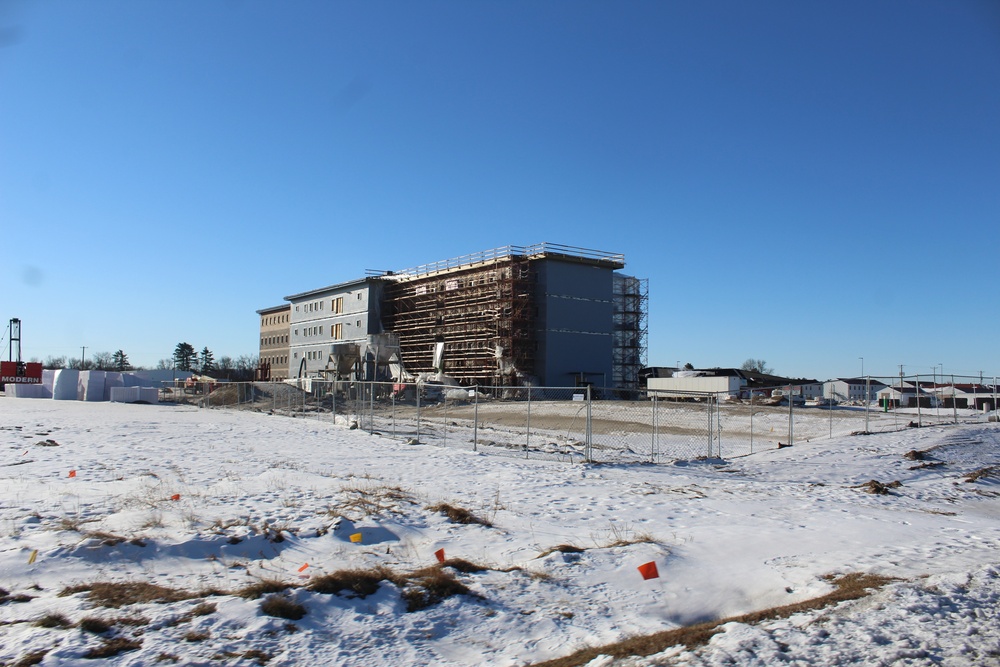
x,y
852,389
690,384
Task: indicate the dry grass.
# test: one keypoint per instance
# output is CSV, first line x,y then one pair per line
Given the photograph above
x,y
112,647
457,514
848,587
264,587
992,471
195,636
878,488
355,582
429,586
622,536
6,597
52,621
278,606
203,609
561,548
94,625
33,658
253,654
370,498
420,589
121,594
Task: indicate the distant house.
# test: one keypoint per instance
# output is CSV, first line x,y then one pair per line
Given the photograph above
x,y
731,381
852,389
975,396
907,395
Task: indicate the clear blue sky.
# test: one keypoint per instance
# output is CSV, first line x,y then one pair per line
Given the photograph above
x,y
803,182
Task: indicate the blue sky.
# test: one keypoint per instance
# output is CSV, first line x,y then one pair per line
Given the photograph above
x,y
803,182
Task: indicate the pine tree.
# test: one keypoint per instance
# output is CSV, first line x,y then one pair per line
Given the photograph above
x,y
184,356
120,361
207,361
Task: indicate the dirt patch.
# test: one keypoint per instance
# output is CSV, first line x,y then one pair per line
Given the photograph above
x,y
991,471
878,488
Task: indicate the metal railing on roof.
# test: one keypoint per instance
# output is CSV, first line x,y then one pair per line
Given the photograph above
x,y
508,251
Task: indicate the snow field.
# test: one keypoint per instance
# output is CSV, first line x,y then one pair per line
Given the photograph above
x,y
258,497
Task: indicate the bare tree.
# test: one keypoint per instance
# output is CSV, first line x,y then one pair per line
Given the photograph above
x,y
757,366
54,363
245,364
104,361
165,364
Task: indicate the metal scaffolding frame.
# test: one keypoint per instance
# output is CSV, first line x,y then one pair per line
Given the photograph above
x,y
484,311
631,299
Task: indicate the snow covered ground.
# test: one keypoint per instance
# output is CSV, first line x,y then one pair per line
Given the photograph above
x,y
167,534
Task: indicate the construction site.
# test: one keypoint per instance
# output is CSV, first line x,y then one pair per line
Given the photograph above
x,y
541,315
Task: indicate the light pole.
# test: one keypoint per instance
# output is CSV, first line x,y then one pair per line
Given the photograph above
x,y
862,366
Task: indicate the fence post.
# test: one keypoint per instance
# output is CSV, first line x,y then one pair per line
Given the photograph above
x,y
791,418
652,445
718,420
868,398
475,420
588,443
751,421
393,395
527,427
916,392
711,427
417,387
371,407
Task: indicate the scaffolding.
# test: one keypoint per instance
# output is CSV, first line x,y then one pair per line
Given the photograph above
x,y
483,311
631,298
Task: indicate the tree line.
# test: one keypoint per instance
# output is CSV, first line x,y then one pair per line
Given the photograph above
x,y
184,358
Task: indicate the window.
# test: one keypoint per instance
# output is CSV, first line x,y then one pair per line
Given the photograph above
x,y
321,330
337,305
336,331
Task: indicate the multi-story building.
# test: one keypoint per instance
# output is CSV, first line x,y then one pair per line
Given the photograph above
x,y
327,321
546,314
274,341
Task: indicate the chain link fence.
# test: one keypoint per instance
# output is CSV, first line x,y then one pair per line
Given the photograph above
x,y
599,425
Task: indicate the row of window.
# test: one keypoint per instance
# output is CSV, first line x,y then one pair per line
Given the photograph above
x,y
311,355
273,319
336,305
273,340
336,330
275,360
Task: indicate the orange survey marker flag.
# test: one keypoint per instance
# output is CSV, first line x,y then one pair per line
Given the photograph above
x,y
176,496
303,568
72,473
356,537
439,554
649,571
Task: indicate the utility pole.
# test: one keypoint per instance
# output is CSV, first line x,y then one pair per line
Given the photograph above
x,y
83,357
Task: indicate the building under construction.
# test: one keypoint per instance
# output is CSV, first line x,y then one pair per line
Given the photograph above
x,y
547,314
